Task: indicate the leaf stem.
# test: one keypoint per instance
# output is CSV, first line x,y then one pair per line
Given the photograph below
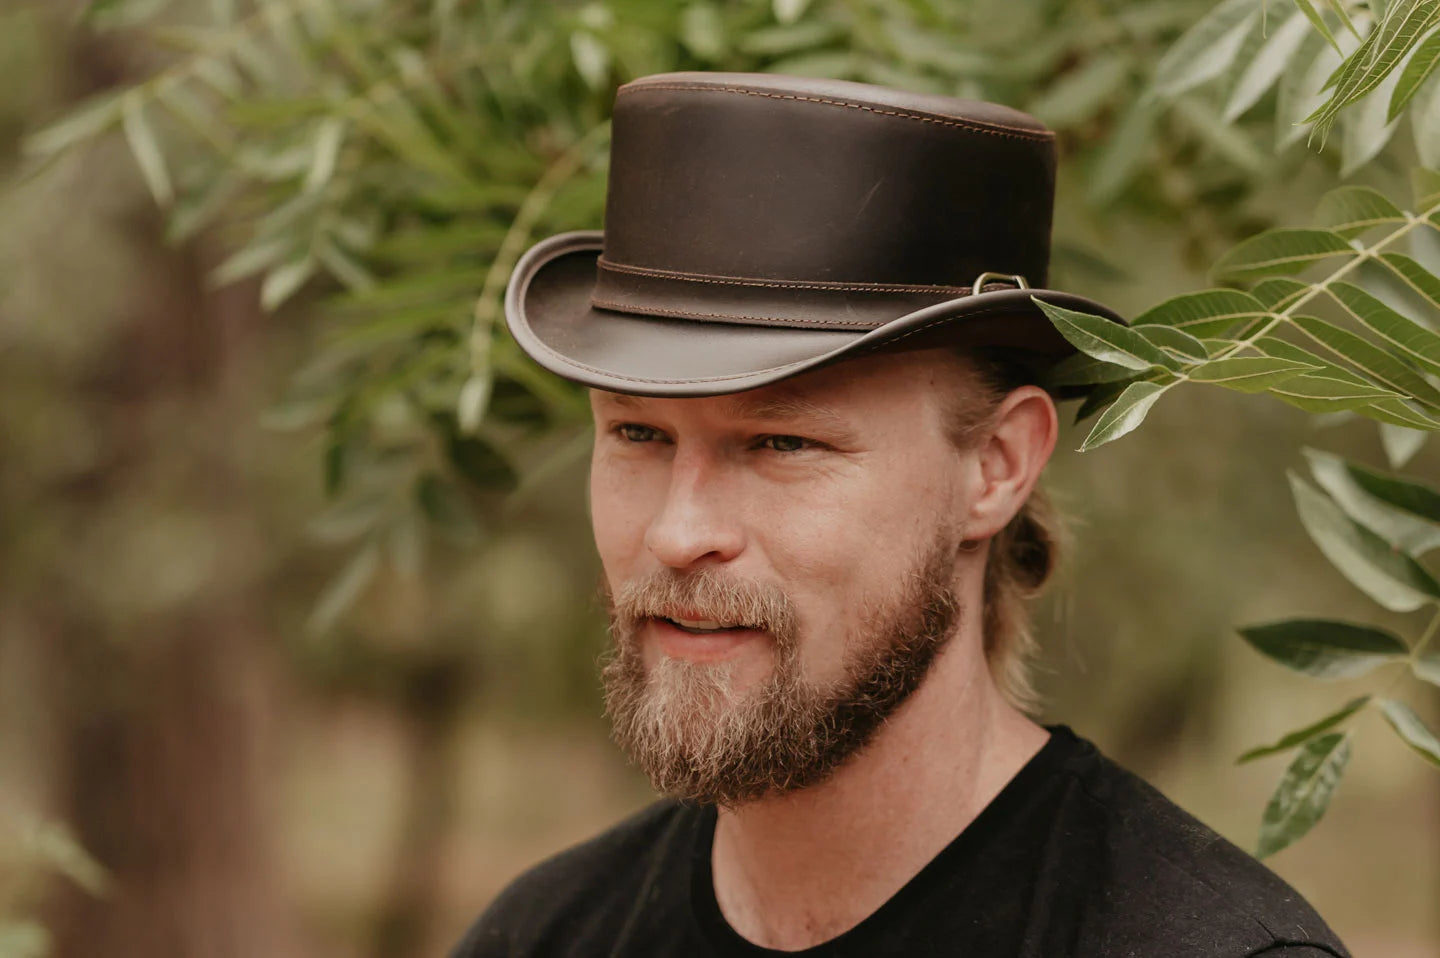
x,y
1315,289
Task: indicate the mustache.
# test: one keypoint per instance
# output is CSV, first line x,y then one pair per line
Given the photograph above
x,y
702,594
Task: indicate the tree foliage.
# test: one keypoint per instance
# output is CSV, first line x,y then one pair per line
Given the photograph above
x,y
388,162
1337,317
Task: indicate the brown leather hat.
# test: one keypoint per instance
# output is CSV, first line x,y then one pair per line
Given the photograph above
x,y
758,226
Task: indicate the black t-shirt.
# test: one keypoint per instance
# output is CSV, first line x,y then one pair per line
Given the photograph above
x,y
1075,858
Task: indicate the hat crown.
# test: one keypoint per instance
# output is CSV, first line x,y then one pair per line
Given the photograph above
x,y
761,177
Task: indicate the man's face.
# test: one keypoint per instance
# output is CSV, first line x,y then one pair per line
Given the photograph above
x,y
780,565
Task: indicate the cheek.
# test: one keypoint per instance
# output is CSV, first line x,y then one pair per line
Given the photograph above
x,y
847,544
618,515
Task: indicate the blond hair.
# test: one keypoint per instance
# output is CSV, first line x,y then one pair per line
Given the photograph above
x,y
1024,554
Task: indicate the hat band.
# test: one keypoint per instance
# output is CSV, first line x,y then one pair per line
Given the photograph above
x,y
801,304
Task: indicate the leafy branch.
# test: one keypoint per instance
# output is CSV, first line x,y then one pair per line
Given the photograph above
x,y
1367,61
1227,337
1373,528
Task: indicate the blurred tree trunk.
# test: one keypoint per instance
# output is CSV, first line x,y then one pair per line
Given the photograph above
x,y
161,714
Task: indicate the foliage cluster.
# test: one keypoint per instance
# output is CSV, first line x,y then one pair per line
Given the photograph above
x,y
390,161
1373,267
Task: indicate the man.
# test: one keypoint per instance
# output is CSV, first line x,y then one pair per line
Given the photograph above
x,y
819,428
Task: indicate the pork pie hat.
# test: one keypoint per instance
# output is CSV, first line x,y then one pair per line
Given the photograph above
x,y
758,226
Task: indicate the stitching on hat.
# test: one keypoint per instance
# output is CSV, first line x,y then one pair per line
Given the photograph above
x,y
787,320
973,126
756,372
839,286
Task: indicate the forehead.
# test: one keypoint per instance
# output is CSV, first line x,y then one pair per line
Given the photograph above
x,y
877,385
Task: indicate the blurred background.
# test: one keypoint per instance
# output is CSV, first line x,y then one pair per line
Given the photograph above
x,y
297,595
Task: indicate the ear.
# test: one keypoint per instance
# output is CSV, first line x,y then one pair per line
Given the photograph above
x,y
1009,458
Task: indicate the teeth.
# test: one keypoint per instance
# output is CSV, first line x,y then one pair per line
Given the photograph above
x,y
706,624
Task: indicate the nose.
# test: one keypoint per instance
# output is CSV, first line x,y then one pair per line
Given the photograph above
x,y
695,523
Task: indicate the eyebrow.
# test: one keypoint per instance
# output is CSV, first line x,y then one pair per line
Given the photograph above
x,y
781,408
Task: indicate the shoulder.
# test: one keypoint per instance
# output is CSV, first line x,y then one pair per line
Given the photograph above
x,y
1172,880
578,894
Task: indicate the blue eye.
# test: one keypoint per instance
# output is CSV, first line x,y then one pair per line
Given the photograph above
x,y
784,443
634,432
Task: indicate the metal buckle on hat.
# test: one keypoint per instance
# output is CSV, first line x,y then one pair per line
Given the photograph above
x,y
1014,279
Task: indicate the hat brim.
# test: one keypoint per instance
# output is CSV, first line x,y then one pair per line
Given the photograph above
x,y
547,307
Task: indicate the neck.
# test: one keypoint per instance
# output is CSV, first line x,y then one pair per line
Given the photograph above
x,y
791,871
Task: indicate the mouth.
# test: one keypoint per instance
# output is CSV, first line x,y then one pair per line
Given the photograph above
x,y
702,640
706,626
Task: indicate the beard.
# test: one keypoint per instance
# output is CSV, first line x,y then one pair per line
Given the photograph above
x,y
699,739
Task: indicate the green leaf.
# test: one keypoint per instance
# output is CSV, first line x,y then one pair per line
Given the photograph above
x,y
1280,252
1279,292
789,38
1427,665
1175,341
844,64
481,463
1426,186
702,31
1124,415
1376,57
340,456
1082,93
282,283
349,519
1125,151
1281,349
1230,142
82,123
1325,649
56,846
1267,66
1351,210
1104,338
1298,91
1082,370
1304,792
329,135
591,58
1391,578
1365,129
1412,729
1415,342
344,590
474,400
1206,49
1327,392
1395,412
1248,374
1370,359
21,938
1417,277
1205,313
1214,346
1318,19
1422,64
446,507
1102,395
1339,7
1403,513
259,255
1415,498
1425,122
146,149
1400,443
341,265
788,11
1305,734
